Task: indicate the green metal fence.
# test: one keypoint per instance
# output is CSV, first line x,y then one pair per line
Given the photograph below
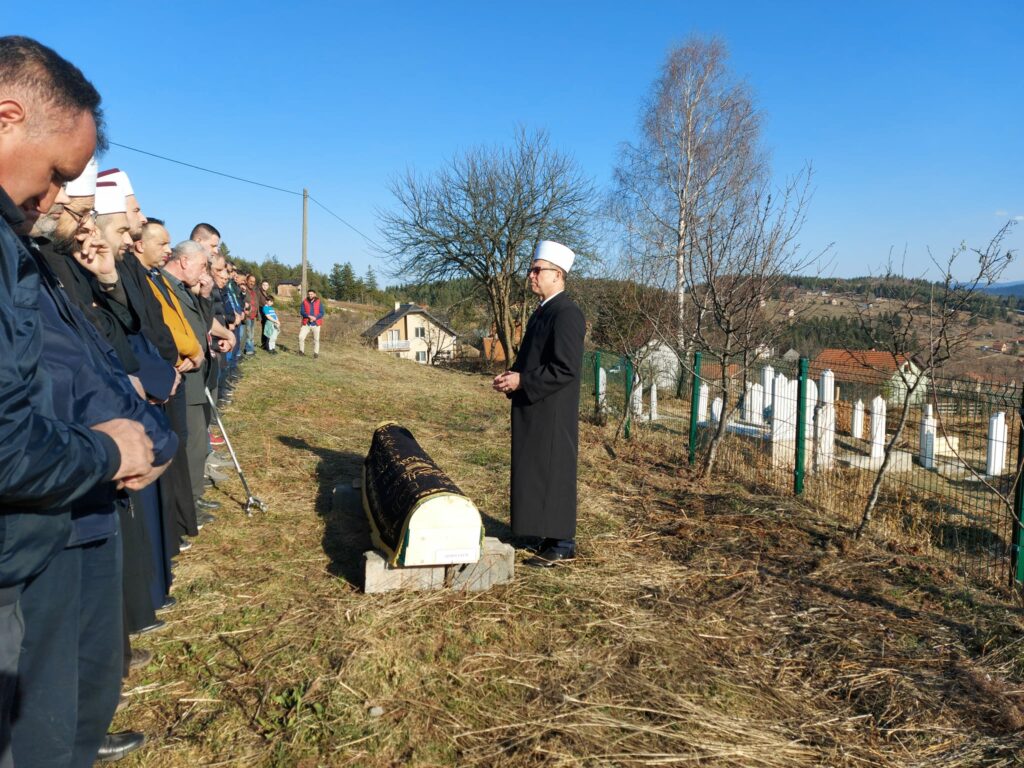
x,y
952,482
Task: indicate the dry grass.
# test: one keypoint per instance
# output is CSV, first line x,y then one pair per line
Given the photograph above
x,y
701,626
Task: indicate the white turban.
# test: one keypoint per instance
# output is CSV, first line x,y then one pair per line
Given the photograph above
x,y
84,185
109,198
556,253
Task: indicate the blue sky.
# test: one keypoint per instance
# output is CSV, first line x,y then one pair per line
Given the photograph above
x,y
912,113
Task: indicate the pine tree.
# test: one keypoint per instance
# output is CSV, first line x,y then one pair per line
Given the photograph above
x,y
336,280
371,280
344,285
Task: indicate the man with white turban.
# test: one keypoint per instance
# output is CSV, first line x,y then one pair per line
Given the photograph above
x,y
544,386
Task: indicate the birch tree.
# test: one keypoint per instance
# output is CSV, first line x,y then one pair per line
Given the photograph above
x,y
697,152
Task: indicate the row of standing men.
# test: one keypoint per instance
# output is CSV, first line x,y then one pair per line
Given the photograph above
x,y
113,348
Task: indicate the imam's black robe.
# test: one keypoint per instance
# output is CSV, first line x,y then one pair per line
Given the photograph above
x,y
545,421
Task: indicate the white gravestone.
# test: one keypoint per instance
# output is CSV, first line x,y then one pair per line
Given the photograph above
x,y
857,421
877,428
779,389
767,383
810,403
995,462
926,449
825,437
756,394
703,392
716,410
783,422
653,412
827,388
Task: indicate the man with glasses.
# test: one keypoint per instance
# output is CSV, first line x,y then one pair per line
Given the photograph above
x,y
60,393
544,387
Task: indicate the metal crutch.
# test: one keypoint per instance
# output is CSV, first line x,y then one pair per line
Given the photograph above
x,y
251,503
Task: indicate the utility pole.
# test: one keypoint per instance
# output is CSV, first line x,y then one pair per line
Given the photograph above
x,y
305,232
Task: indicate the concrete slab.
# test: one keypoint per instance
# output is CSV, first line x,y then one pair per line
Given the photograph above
x,y
495,566
901,461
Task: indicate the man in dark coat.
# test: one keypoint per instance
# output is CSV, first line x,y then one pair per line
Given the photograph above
x,y
544,386
50,114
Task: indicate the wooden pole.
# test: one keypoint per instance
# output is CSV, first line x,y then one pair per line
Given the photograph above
x,y
305,235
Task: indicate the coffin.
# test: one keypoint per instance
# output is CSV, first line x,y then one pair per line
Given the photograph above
x,y
417,515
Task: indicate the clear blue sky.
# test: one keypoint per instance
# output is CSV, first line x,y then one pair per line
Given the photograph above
x,y
912,113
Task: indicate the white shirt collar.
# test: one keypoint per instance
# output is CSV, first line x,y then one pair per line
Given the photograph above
x,y
549,298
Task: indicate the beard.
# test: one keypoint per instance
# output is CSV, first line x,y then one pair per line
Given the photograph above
x,y
65,246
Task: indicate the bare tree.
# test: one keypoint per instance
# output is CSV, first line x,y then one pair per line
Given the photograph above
x,y
697,152
630,311
742,254
481,216
928,330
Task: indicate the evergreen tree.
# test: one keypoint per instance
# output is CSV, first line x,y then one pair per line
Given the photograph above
x,y
343,283
371,280
336,280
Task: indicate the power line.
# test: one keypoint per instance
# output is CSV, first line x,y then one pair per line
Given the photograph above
x,y
206,170
249,181
367,238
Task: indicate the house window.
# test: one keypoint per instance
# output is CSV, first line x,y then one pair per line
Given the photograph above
x,y
421,332
393,335
421,357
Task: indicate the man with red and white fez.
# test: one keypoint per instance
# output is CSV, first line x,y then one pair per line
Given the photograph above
x,y
312,318
136,218
144,522
544,387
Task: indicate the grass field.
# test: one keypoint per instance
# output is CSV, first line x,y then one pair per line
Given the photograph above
x,y
702,625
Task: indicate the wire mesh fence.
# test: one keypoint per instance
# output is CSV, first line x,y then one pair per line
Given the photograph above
x,y
824,428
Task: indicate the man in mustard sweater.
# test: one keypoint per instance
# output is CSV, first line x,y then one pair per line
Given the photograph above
x,y
152,250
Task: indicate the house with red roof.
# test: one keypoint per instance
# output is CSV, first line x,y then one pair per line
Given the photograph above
x,y
864,373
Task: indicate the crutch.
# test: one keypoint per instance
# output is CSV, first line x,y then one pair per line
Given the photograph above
x,y
251,503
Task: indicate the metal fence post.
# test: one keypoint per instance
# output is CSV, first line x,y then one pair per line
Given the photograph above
x,y
629,397
801,428
694,406
1016,558
597,382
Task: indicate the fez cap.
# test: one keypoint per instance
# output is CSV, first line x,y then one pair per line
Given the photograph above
x,y
120,178
109,198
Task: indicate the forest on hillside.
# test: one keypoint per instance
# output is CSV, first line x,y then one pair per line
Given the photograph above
x,y
461,304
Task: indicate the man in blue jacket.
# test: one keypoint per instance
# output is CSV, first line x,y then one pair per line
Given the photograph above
x,y
54,450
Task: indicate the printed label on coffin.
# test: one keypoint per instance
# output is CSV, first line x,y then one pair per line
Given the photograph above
x,y
417,515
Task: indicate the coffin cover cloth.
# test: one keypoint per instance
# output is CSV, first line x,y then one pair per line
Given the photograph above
x,y
398,478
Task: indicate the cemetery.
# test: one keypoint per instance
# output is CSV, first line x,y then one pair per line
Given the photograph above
x,y
949,477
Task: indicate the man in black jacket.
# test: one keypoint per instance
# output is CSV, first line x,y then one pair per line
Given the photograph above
x,y
544,386
49,115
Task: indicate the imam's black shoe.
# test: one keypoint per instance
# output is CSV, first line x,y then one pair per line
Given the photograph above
x,y
118,745
550,556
